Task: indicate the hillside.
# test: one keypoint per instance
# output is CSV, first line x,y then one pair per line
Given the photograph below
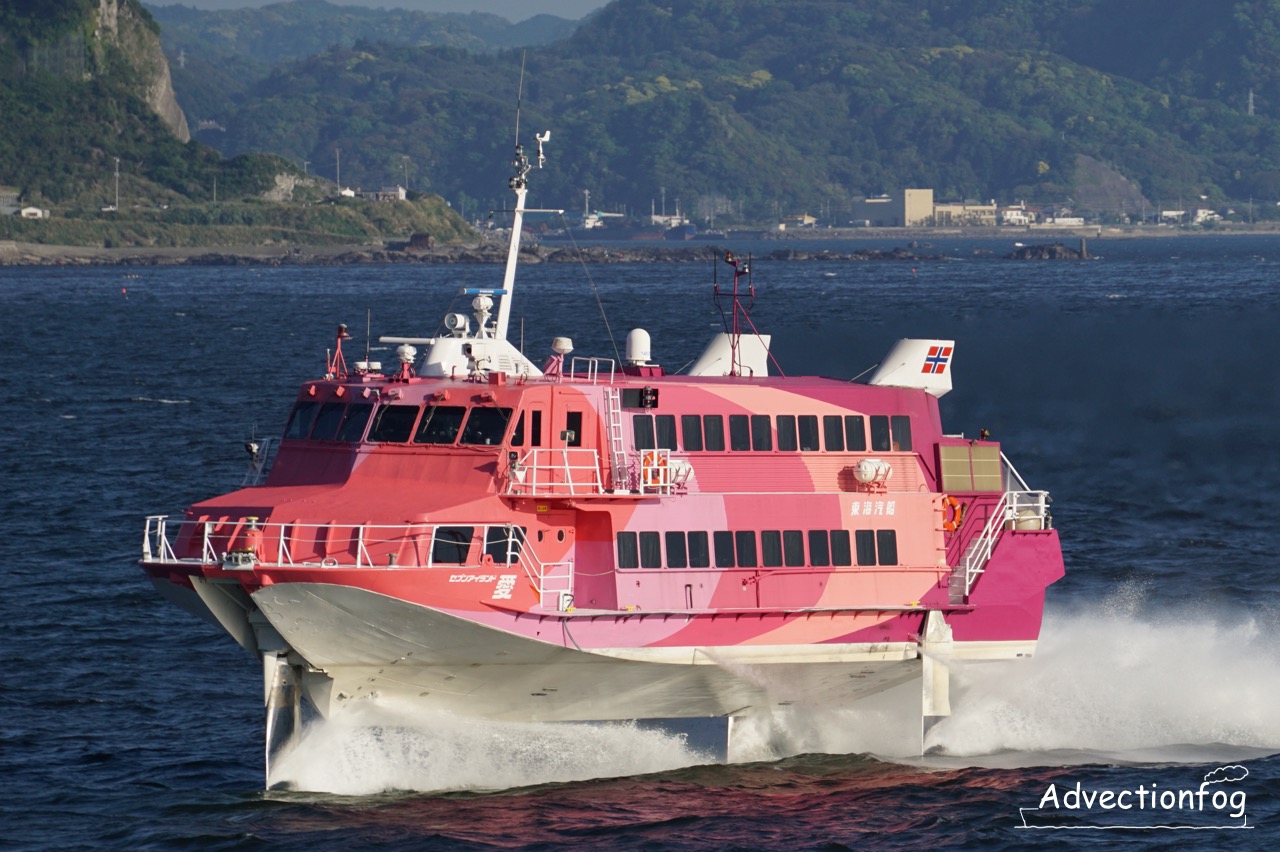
x,y
744,109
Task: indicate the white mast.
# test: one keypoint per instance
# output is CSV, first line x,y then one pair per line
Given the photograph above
x,y
519,184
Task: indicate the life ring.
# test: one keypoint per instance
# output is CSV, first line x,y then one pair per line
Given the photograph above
x,y
952,513
654,467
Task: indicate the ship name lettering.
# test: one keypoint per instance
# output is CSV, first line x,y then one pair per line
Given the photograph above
x,y
472,578
506,585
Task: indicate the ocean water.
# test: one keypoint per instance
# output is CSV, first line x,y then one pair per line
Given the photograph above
x,y
1140,389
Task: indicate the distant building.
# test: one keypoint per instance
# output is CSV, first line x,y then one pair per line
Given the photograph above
x,y
387,193
954,213
804,220
1016,215
910,208
30,212
1201,215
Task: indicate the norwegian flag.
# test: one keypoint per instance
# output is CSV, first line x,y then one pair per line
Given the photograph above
x,y
936,361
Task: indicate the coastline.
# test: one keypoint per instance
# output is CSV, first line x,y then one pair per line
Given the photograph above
x,y
14,253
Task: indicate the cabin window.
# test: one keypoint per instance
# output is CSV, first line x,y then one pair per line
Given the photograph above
x,y
300,420
353,425
840,554
650,550
486,426
327,421
628,550
630,398
887,544
502,544
739,433
866,542
819,552
440,424
517,436
855,433
833,433
699,551
793,548
573,428
450,544
665,425
900,425
691,432
535,428
393,424
808,433
771,548
677,554
787,440
713,432
642,427
881,442
761,432
745,540
723,540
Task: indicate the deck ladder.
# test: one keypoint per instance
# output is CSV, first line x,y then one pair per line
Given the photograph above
x,y
618,475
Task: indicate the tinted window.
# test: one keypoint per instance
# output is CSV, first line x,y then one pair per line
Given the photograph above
x,y
677,555
761,432
353,426
699,552
887,542
327,421
739,433
901,426
746,543
880,441
535,428
855,433
642,426
517,437
650,550
713,429
724,548
502,544
300,420
486,426
819,555
628,551
771,548
451,544
787,433
793,548
808,432
691,432
440,424
866,541
573,425
840,554
393,423
665,425
833,432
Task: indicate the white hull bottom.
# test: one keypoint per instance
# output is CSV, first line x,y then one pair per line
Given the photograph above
x,y
356,644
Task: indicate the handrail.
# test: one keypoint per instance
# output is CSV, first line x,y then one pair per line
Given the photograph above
x,y
1022,510
352,546
593,364
555,472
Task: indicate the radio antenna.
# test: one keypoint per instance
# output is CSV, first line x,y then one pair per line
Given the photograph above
x,y
520,94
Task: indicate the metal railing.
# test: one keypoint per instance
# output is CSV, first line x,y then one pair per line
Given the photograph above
x,y
244,544
591,369
562,472
1017,510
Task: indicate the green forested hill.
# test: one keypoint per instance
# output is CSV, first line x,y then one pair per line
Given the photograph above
x,y
748,108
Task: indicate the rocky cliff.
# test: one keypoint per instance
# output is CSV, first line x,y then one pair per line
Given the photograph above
x,y
123,25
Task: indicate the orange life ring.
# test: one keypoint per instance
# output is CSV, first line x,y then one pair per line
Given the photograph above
x,y
952,513
655,468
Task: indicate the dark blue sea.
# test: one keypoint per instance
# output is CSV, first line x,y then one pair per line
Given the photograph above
x,y
1139,388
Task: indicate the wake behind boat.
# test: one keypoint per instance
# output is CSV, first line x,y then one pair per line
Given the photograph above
x,y
583,539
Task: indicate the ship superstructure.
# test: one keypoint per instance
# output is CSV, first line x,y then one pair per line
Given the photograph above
x,y
588,539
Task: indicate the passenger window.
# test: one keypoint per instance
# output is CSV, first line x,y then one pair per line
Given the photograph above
x,y
328,421
300,419
393,424
887,542
808,433
353,426
866,542
451,544
628,551
855,433
723,540
440,424
787,442
535,439
666,429
642,426
771,548
901,425
713,432
761,432
819,554
650,550
573,425
502,544
833,433
699,551
793,548
880,441
745,540
517,437
486,426
677,555
691,432
739,433
840,553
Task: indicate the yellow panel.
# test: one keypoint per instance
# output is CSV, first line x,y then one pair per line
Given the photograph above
x,y
956,471
987,473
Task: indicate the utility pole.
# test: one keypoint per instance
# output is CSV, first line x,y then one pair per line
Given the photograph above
x,y
405,159
305,163
117,159
337,167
